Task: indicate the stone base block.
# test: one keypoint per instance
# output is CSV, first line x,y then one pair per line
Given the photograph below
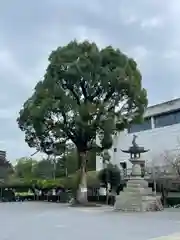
x,y
138,197
137,203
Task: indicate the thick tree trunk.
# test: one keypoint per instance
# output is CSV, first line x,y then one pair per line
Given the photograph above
x,y
81,195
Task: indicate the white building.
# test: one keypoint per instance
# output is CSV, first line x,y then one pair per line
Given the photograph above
x,y
159,133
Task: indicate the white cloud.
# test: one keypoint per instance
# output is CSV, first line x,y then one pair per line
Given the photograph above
x,y
130,19
139,53
127,15
8,63
9,66
172,54
94,7
154,22
83,33
174,8
8,113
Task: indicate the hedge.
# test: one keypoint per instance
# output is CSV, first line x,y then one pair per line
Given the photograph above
x,y
173,201
69,182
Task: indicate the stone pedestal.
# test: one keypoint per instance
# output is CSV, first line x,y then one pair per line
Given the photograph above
x,y
137,196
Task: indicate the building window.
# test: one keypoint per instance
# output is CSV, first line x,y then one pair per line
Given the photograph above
x,y
167,119
146,125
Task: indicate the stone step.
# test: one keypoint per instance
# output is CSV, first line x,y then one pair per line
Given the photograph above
x,y
137,197
137,189
137,185
141,191
148,198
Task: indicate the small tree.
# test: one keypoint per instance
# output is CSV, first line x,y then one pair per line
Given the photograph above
x,y
86,91
172,162
110,175
24,167
6,168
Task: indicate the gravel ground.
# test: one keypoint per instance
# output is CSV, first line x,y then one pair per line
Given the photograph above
x,y
46,221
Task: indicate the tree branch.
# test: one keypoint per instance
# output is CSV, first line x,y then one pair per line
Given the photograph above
x,y
70,88
108,95
66,130
83,88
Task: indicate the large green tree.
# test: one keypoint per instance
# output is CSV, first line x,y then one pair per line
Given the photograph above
x,y
6,168
44,169
24,167
85,92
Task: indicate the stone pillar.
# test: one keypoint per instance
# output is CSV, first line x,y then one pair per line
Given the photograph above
x,y
136,170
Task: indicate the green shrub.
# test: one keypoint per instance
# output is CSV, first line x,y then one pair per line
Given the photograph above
x,y
50,183
69,182
172,201
111,175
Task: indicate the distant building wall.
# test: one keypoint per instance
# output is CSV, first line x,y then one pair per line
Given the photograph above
x,y
160,132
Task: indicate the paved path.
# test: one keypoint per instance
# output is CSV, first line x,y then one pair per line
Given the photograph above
x,y
45,221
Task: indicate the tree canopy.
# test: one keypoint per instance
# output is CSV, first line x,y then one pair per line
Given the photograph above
x,y
83,90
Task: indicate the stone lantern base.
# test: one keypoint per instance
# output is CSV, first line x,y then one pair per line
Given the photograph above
x,y
137,196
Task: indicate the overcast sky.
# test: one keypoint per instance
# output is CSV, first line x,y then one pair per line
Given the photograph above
x,y
147,30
